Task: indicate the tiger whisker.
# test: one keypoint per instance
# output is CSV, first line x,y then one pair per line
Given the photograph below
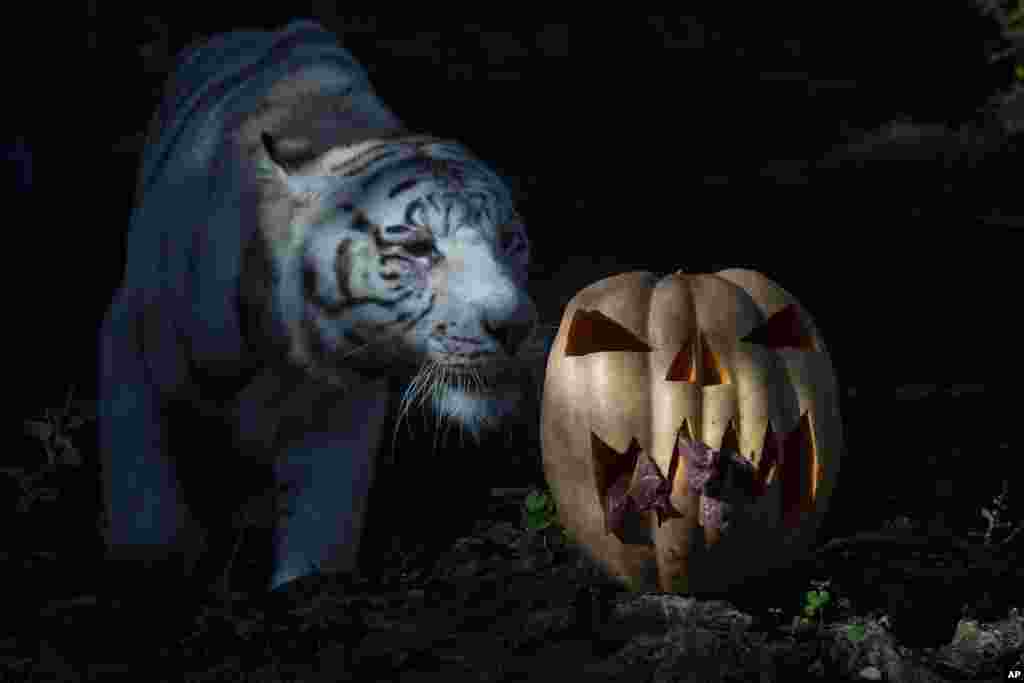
x,y
363,347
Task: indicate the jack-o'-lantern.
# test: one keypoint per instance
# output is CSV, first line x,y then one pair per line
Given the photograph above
x,y
690,427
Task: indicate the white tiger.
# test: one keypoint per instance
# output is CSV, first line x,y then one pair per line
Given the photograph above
x,y
292,248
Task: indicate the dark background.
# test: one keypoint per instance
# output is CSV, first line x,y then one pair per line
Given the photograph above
x,y
655,143
705,142
754,136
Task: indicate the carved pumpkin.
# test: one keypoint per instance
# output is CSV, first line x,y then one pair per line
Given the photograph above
x,y
690,427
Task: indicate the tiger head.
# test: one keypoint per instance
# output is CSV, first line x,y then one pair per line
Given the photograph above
x,y
405,257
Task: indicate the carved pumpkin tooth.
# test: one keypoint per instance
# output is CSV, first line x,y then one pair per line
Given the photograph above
x,y
798,472
685,431
613,472
730,441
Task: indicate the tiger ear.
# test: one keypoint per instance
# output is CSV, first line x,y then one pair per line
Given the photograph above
x,y
272,151
280,161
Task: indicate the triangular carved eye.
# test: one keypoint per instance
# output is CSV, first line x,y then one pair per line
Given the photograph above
x,y
698,364
594,332
784,328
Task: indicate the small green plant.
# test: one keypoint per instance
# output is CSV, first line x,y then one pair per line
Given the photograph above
x,y
856,632
55,427
995,518
53,430
541,512
1009,16
814,603
1015,18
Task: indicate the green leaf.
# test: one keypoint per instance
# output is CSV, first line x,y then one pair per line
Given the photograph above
x,y
1015,17
856,632
541,511
535,500
815,601
538,521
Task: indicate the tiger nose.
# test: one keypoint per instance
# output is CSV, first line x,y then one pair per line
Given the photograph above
x,y
511,331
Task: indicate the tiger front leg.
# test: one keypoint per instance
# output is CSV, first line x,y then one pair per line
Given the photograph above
x,y
149,528
327,476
